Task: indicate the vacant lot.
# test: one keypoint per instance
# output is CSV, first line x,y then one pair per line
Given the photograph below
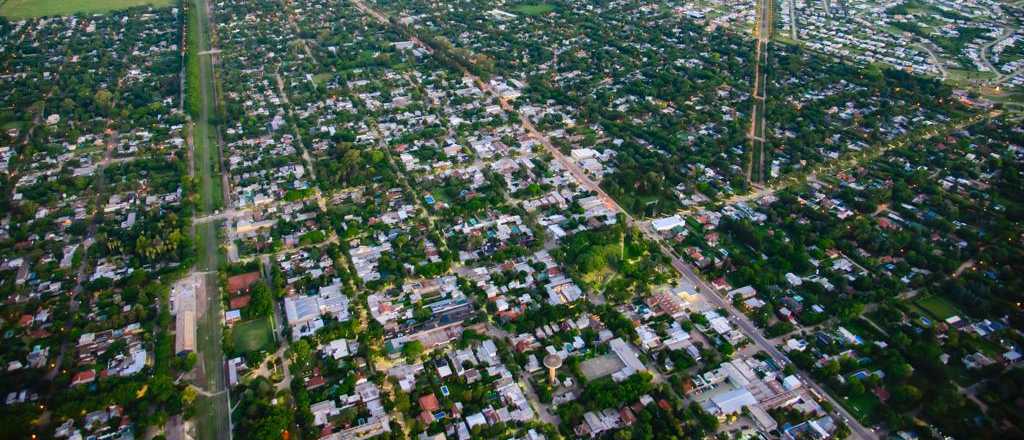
x,y
253,335
938,307
18,9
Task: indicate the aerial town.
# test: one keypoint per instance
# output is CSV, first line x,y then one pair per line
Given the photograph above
x,y
511,219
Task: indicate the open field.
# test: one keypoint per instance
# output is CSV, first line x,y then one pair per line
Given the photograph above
x,y
254,335
938,307
533,9
18,9
321,78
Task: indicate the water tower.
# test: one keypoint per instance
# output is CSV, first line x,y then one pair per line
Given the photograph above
x,y
552,362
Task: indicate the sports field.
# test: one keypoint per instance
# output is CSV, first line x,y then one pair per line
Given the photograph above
x,y
253,335
19,9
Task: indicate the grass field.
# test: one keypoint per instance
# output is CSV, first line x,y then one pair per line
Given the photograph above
x,y
863,407
18,9
533,8
254,335
320,78
938,307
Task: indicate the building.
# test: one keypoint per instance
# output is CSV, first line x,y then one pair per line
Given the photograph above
x,y
731,402
628,355
817,429
303,313
185,332
185,316
666,224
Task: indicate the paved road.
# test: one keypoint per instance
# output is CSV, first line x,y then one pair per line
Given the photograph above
x,y
543,410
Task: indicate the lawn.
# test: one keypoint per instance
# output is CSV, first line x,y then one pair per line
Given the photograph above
x,y
19,9
938,307
533,8
253,335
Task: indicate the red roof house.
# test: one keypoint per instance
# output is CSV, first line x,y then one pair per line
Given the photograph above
x,y
429,403
83,377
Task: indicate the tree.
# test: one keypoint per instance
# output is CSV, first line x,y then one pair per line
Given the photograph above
x,y
104,99
189,395
265,421
301,355
262,302
842,431
906,396
402,402
412,351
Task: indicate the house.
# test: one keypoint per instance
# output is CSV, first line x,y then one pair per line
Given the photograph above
x,y
232,316
795,345
337,349
649,340
83,377
429,403
323,410
1011,357
849,337
675,302
745,292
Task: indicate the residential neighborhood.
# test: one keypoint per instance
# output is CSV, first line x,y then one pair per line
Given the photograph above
x,y
274,219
